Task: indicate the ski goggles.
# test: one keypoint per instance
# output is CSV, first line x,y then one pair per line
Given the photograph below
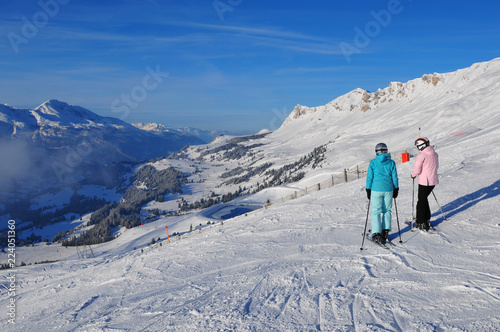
x,y
420,145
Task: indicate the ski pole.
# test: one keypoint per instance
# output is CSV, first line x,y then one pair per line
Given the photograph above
x,y
366,223
412,205
441,209
397,218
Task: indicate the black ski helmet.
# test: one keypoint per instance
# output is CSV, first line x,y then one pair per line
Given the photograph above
x,y
422,142
381,148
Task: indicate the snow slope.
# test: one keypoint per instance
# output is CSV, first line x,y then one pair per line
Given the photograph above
x,y
298,266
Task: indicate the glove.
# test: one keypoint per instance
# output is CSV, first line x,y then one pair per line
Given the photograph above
x,y
368,193
395,192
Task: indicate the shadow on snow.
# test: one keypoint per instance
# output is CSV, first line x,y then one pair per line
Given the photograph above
x,y
457,206
465,202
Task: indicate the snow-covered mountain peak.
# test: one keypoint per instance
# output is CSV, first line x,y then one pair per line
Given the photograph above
x,y
151,127
57,112
64,144
13,121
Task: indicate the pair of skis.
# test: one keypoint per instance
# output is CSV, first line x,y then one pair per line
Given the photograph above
x,y
368,235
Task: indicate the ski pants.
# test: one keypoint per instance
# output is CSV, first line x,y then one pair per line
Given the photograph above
x,y
381,202
423,209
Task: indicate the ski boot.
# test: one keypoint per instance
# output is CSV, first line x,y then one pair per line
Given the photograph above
x,y
385,235
428,225
377,237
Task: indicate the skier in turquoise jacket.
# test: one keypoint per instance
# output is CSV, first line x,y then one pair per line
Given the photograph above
x,y
381,187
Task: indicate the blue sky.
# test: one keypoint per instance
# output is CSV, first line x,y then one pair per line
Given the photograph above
x,y
238,65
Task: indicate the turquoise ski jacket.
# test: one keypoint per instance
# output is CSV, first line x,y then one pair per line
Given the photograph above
x,y
382,174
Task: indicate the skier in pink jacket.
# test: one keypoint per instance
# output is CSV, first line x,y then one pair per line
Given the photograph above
x,y
426,166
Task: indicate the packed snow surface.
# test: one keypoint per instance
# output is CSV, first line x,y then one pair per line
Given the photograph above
x,y
297,266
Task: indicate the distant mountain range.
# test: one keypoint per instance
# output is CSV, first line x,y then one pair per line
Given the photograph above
x,y
57,143
206,135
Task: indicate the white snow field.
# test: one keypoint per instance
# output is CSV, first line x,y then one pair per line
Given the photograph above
x,y
297,266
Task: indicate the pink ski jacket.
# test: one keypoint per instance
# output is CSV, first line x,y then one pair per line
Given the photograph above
x,y
426,166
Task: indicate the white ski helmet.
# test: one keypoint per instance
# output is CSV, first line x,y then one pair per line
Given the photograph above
x,y
422,142
381,148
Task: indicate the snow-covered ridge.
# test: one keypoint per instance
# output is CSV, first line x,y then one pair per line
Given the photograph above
x,y
152,127
54,114
428,86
